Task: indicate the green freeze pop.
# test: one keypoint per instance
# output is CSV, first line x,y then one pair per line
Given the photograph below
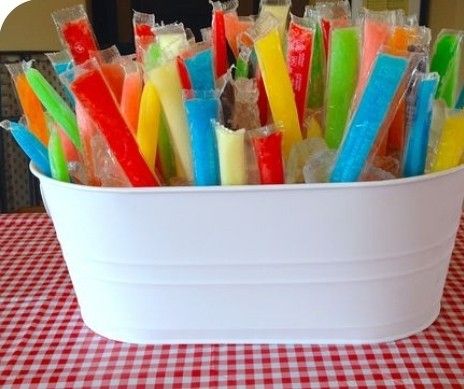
x,y
342,79
58,163
55,105
241,68
446,61
165,152
316,86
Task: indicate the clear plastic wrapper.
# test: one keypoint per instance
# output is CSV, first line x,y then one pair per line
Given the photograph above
x,y
234,26
202,110
299,156
232,156
206,34
446,60
416,148
276,79
219,41
35,150
372,114
227,99
96,98
199,63
62,63
166,79
144,35
318,166
342,79
30,104
76,32
267,146
112,67
299,55
280,10
245,112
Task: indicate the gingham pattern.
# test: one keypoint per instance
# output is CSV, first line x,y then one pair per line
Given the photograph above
x,y
43,342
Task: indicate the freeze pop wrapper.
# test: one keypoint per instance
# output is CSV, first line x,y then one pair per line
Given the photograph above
x,y
32,108
70,151
460,102
404,38
242,68
143,25
299,155
55,105
171,38
167,82
279,9
92,91
451,145
377,27
318,63
30,144
227,100
342,78
58,163
416,149
62,63
245,112
149,123
299,54
201,111
232,157
319,164
206,34
234,25
267,145
111,64
276,80
76,32
371,114
131,94
199,63
446,61
218,30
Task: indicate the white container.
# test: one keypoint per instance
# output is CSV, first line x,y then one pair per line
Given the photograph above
x,y
327,263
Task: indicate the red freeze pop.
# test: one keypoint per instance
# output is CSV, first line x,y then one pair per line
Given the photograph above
x,y
183,74
299,53
219,41
263,103
97,99
268,151
76,33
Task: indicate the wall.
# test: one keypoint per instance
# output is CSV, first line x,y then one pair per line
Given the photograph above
x,y
30,27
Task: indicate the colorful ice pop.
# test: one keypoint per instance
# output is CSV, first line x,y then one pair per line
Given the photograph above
x,y
219,40
276,80
446,61
234,25
76,32
416,149
184,75
299,53
143,25
242,67
92,91
30,144
167,82
200,68
32,108
55,105
62,63
131,94
372,113
58,164
342,79
279,9
232,157
148,124
201,111
267,144
112,67
451,145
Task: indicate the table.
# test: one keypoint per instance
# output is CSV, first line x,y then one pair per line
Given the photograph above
x,y
43,342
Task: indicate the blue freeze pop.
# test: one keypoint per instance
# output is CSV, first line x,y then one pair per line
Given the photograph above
x,y
200,113
31,146
200,69
416,149
375,105
460,102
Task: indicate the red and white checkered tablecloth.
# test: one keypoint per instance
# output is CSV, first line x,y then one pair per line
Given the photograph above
x,y
43,342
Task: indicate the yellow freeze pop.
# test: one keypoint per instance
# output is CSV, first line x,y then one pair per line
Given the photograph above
x,y
167,83
279,9
277,83
451,146
148,125
231,150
